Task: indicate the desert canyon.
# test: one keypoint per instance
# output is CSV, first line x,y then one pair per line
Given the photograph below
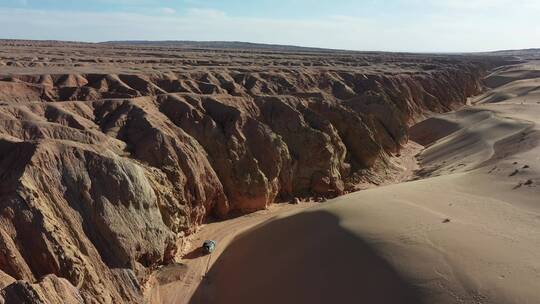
x,y
325,176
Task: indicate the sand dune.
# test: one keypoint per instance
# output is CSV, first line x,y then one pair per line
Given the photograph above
x,y
513,84
468,231
471,145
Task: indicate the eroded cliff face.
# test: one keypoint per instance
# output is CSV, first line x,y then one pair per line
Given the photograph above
x,y
101,174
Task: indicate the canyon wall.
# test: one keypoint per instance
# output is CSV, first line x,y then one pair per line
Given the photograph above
x,y
102,173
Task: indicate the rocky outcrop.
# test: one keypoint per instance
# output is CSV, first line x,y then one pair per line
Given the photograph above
x,y
101,174
50,290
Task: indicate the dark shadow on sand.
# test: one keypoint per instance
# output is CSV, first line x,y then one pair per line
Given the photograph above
x,y
194,254
306,258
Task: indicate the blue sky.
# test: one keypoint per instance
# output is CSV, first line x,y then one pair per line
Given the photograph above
x,y
392,25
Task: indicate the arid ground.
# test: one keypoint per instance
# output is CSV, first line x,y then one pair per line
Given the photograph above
x,y
415,178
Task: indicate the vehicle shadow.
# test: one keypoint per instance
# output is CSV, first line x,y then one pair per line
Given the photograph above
x,y
194,254
305,258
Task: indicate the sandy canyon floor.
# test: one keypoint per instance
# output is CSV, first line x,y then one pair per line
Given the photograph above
x,y
466,229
